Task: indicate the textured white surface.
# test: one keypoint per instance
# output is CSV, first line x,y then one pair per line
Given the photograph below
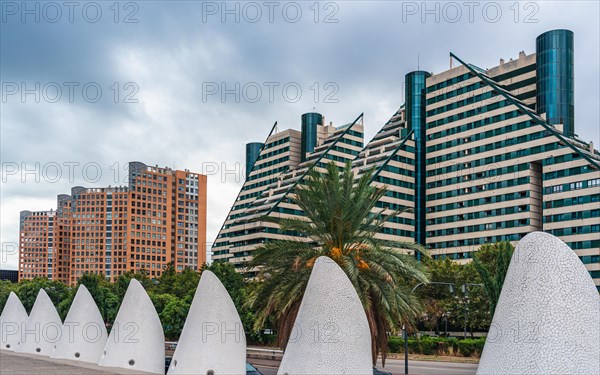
x,y
213,336
331,333
84,333
11,320
43,328
548,316
136,340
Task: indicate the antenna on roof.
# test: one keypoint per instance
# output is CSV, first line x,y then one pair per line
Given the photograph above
x,y
418,61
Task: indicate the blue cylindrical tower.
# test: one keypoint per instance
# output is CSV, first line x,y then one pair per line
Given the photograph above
x,y
416,119
555,78
308,142
252,151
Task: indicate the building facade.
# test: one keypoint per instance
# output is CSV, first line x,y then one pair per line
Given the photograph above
x,y
9,275
477,155
36,244
158,219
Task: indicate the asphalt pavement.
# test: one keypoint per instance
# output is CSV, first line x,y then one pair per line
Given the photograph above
x,y
28,364
396,367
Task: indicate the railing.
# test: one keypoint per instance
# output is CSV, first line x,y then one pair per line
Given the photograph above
x,y
256,353
264,353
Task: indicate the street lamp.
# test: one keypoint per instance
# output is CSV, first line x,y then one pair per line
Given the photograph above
x,y
446,315
466,300
405,334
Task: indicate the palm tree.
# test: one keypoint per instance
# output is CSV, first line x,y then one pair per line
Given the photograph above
x,y
340,223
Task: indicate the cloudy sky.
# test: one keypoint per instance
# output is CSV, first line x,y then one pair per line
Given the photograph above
x,y
89,86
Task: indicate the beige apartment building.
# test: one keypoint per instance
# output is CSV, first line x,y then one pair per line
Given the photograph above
x,y
478,155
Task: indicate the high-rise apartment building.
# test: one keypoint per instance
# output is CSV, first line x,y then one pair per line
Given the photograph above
x,y
478,155
159,218
37,244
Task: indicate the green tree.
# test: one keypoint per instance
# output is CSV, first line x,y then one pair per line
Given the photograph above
x,y
120,286
460,309
232,280
438,298
29,289
340,224
5,288
160,301
180,284
173,317
491,263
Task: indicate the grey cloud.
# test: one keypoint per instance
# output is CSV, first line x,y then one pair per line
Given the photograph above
x,y
170,52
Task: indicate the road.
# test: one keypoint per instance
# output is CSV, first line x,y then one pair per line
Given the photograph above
x,y
396,367
28,364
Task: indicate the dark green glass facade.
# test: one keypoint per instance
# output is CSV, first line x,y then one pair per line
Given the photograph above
x,y
310,122
416,120
252,151
555,82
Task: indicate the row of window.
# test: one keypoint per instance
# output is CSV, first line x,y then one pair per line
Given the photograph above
x,y
585,229
266,155
479,188
578,215
455,166
489,147
485,174
567,172
463,102
470,113
479,201
484,214
478,124
574,201
473,243
458,91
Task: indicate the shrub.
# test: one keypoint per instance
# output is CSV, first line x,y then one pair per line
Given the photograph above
x,y
453,343
396,344
428,345
471,347
437,345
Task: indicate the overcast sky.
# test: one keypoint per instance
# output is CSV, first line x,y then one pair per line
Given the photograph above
x,y
90,86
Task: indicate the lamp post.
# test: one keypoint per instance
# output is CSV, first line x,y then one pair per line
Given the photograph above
x,y
405,334
446,315
466,300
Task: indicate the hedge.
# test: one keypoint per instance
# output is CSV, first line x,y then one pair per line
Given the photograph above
x,y
470,347
437,346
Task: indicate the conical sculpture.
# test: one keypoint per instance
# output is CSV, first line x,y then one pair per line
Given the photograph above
x,y
84,333
331,334
136,340
43,328
213,339
12,319
547,320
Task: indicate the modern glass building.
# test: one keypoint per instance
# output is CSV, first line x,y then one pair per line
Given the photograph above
x,y
416,120
277,170
555,78
479,156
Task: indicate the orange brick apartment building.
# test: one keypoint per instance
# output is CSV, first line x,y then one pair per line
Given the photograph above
x,y
159,218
